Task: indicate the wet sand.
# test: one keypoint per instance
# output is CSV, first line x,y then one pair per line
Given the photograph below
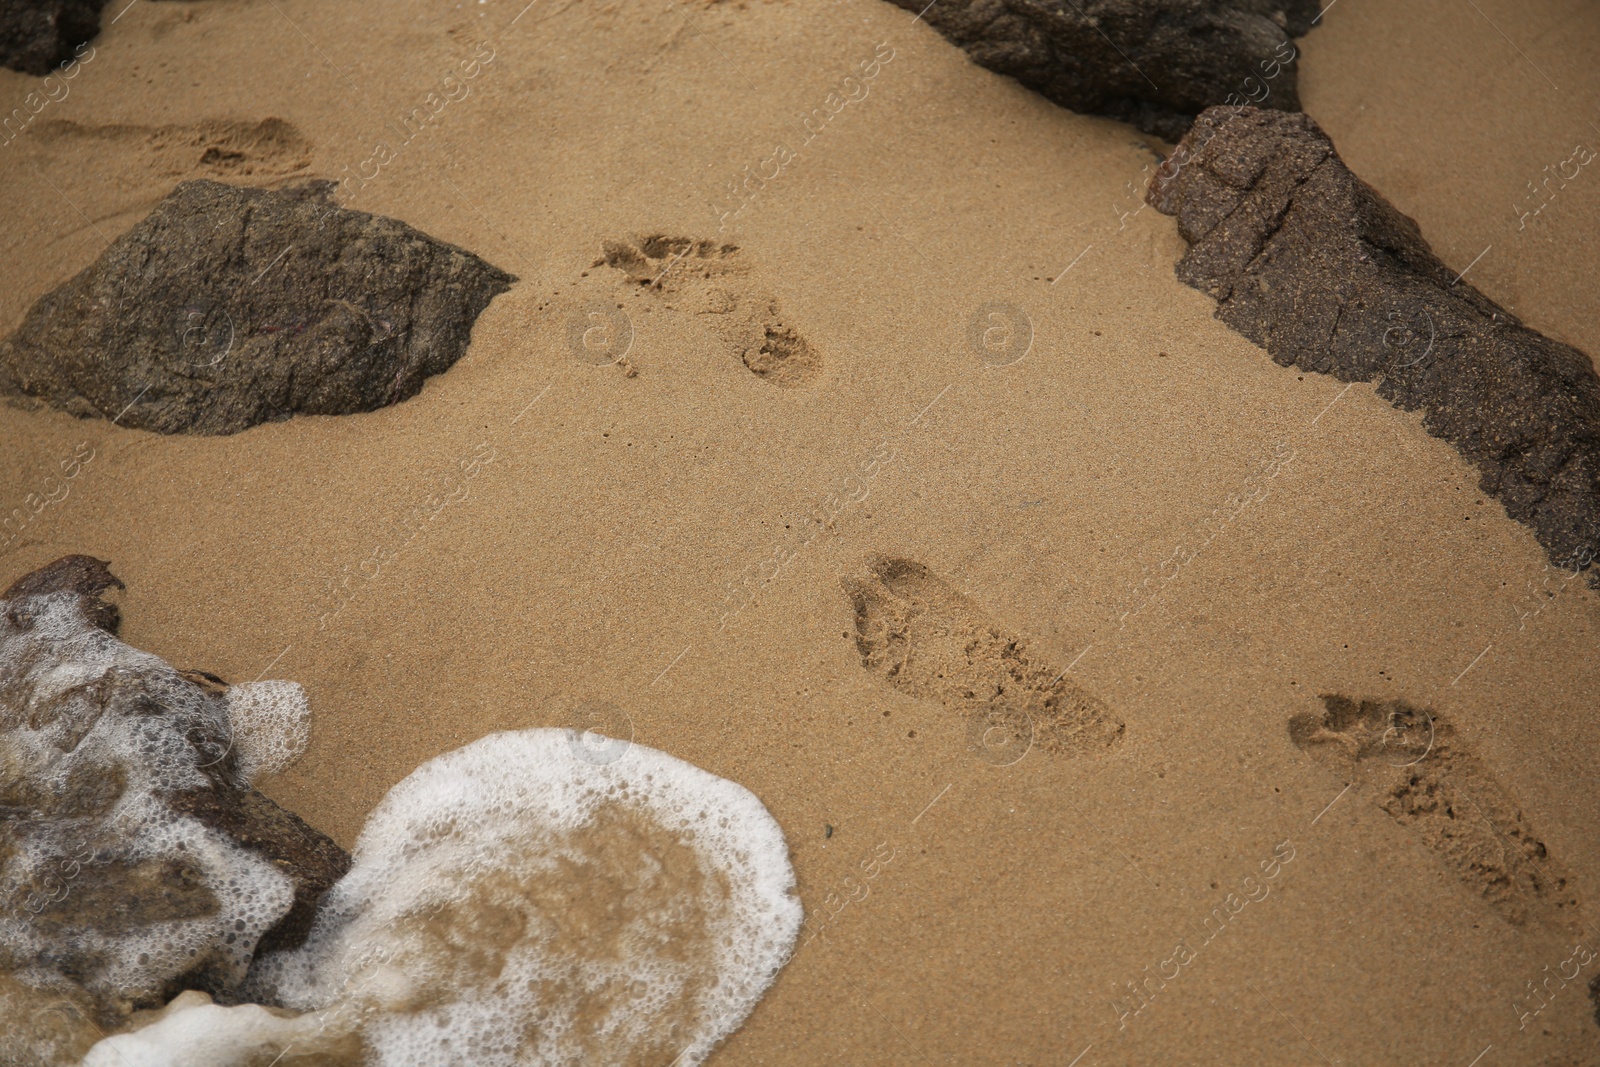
x,y
1207,540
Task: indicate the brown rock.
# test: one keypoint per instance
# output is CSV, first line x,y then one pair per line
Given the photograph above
x,y
227,307
35,35
1153,63
253,821
44,1027
86,577
1314,265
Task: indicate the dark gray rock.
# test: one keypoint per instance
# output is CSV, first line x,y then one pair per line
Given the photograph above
x,y
86,578
37,35
1155,64
1312,264
228,307
136,860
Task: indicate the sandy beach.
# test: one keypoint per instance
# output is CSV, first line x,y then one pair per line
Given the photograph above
x,y
1202,541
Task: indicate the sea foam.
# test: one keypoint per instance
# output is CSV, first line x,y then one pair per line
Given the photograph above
x,y
514,902
271,725
96,738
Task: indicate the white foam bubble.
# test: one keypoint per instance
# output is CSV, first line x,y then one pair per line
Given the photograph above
x,y
194,1032
271,725
513,903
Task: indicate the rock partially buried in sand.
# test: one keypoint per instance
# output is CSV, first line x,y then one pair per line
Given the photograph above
x,y
1155,64
227,307
135,858
35,35
516,903
1311,263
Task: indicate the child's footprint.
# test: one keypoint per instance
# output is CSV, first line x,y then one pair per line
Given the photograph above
x,y
929,641
1418,770
712,279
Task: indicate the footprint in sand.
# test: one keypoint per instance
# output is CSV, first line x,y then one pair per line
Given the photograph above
x,y
711,279
211,148
148,160
1412,763
929,641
